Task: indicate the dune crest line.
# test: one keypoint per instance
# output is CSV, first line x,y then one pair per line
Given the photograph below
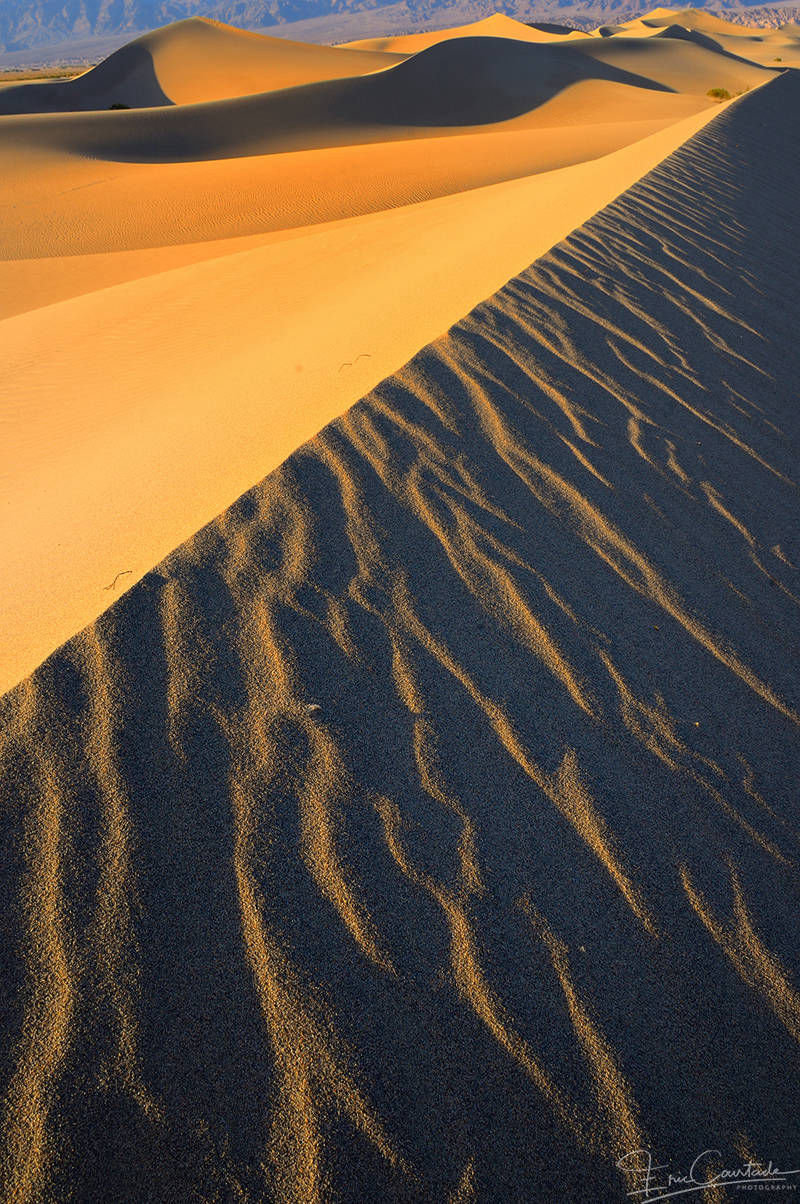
x,y
429,820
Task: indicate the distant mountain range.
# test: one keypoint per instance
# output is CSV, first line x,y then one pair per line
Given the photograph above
x,y
27,24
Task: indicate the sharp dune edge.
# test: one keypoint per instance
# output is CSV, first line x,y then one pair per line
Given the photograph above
x,y
426,827
119,478
165,270
190,62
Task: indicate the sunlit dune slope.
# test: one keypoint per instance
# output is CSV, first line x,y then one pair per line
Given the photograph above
x,y
677,62
64,205
455,86
188,62
689,18
496,26
160,270
771,47
426,828
138,408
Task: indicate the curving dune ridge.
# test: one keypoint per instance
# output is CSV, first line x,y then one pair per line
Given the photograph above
x,y
161,268
190,62
426,827
465,85
766,46
497,26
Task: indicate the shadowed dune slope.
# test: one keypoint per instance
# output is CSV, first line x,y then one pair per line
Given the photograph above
x,y
496,26
201,393
766,46
679,63
690,18
459,85
426,828
189,62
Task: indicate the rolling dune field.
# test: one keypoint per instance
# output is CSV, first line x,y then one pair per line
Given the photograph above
x,y
165,269
766,46
191,62
425,827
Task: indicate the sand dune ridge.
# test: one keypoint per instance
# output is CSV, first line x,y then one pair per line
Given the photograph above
x,y
427,824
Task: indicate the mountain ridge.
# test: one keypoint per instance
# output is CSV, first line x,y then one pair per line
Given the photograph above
x,y
27,24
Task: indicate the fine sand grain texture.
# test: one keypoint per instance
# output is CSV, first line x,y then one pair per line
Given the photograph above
x,y
164,270
426,827
139,409
189,291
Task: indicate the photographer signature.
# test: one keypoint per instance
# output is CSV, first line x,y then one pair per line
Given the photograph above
x,y
652,1181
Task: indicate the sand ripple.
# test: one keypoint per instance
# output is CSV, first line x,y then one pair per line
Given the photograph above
x,y
426,827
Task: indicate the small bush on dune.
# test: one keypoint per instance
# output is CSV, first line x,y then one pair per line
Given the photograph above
x,y
118,105
719,93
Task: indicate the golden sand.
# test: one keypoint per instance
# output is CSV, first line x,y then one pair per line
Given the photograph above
x,y
424,827
155,290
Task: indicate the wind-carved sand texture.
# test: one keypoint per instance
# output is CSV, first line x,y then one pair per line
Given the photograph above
x,y
426,827
166,273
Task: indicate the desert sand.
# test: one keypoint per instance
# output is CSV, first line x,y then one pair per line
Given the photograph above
x,y
165,270
400,748
191,62
497,26
767,46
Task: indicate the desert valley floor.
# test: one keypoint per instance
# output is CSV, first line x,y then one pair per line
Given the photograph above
x,y
399,748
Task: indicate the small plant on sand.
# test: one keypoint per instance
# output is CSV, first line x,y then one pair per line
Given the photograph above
x,y
778,60
118,105
719,93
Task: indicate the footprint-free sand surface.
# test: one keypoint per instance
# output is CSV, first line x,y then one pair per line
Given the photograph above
x,y
425,827
192,287
771,47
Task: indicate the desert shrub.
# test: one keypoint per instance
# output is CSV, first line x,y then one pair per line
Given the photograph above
x,y
719,93
118,105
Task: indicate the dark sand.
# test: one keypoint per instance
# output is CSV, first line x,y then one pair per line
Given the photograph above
x,y
426,828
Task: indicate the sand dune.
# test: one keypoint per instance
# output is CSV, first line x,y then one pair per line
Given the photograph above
x,y
426,827
680,64
458,86
497,26
163,449
690,18
160,269
64,205
96,182
189,62
766,46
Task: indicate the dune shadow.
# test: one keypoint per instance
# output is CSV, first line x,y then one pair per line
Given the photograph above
x,y
427,826
558,31
127,78
455,85
680,33
478,81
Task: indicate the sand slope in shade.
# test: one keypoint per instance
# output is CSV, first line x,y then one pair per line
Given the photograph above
x,y
770,47
162,270
497,26
467,85
189,62
426,828
166,449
